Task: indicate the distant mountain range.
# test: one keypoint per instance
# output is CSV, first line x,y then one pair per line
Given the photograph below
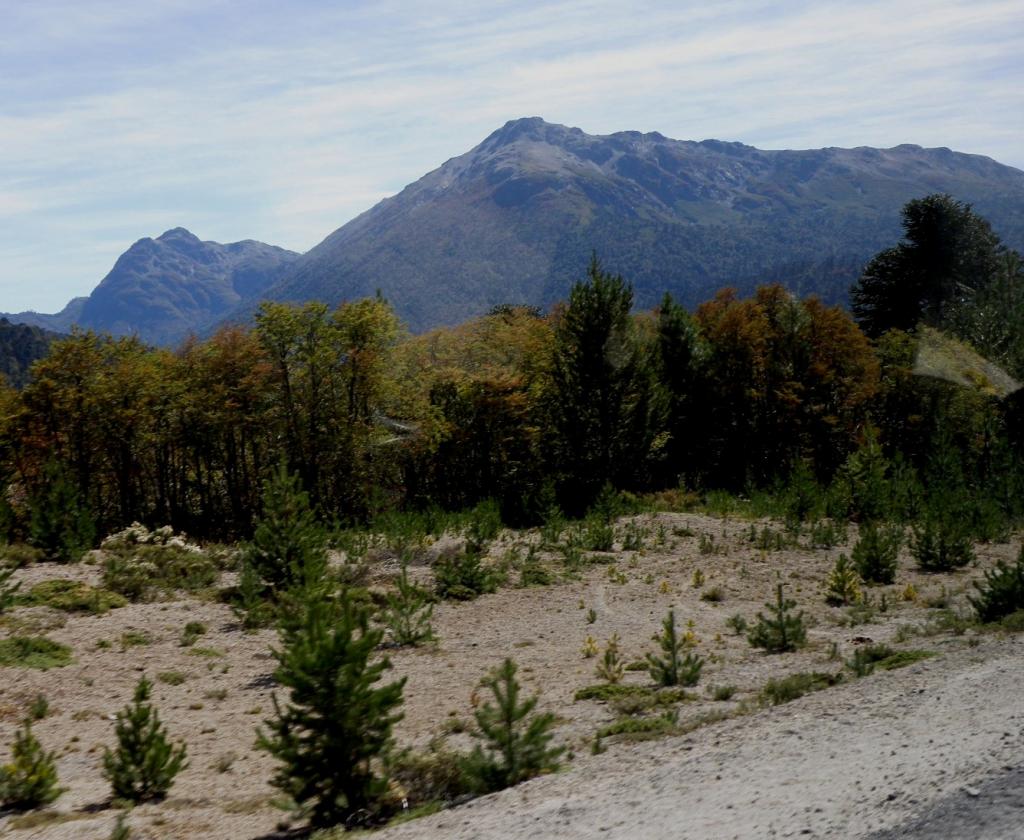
x,y
515,219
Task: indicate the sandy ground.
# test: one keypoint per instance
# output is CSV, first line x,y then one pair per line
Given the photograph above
x,y
864,756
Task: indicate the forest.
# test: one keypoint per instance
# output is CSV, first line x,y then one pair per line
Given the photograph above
x,y
766,396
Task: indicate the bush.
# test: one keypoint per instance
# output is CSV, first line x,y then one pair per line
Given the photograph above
x,y
462,577
145,763
1001,593
74,596
678,665
611,667
432,776
337,723
781,631
143,572
193,630
33,652
875,552
8,590
408,613
777,692
941,545
843,585
516,739
30,779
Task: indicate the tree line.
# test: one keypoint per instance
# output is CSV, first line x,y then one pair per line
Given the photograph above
x,y
539,412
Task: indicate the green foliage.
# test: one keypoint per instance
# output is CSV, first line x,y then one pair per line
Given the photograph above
x,y
516,740
251,604
463,577
145,762
677,665
39,708
863,481
432,776
8,590
192,631
33,652
336,725
780,631
737,623
288,548
74,596
611,667
843,585
941,545
145,572
1001,593
122,829
408,612
60,524
779,691
29,780
484,525
875,553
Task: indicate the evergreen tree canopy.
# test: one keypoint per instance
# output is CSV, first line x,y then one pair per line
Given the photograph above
x,y
949,254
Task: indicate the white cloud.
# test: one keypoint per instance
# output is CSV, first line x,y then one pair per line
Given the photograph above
x,y
282,122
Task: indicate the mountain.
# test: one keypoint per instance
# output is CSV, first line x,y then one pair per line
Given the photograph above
x,y
163,289
20,346
515,220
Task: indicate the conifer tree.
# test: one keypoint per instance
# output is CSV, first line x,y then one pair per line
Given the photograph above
x,y
8,590
288,547
30,779
145,762
517,741
876,551
611,668
678,665
59,523
781,631
843,585
337,721
408,612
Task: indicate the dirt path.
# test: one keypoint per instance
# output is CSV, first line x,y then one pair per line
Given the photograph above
x,y
847,762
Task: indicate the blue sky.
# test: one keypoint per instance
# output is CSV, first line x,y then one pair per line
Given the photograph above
x,y
281,121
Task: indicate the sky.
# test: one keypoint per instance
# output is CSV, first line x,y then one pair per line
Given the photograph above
x,y
243,119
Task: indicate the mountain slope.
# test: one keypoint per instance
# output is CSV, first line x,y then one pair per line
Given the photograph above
x,y
163,289
515,219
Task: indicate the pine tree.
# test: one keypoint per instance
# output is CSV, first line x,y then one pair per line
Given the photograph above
x,y
843,585
288,547
1001,592
517,741
337,722
252,607
781,631
408,612
59,523
611,668
678,665
145,762
30,779
876,551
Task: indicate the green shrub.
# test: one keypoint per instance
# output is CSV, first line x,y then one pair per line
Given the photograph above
x,y
737,623
516,740
1001,593
484,526
8,590
780,631
875,552
629,725
171,677
60,524
143,572
74,596
145,762
941,545
843,585
408,613
33,652
432,776
779,691
193,630
19,555
677,665
722,693
462,577
29,780
611,667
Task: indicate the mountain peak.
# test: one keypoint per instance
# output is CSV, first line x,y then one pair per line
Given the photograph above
x,y
178,234
528,128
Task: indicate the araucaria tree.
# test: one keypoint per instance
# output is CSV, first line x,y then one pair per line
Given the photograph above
x,y
601,399
335,727
517,740
145,762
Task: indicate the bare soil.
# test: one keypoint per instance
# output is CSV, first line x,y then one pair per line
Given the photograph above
x,y
863,756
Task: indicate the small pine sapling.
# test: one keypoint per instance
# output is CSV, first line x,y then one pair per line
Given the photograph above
x,y
611,667
781,631
517,740
1001,593
145,762
408,613
875,552
29,780
941,544
678,665
843,585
